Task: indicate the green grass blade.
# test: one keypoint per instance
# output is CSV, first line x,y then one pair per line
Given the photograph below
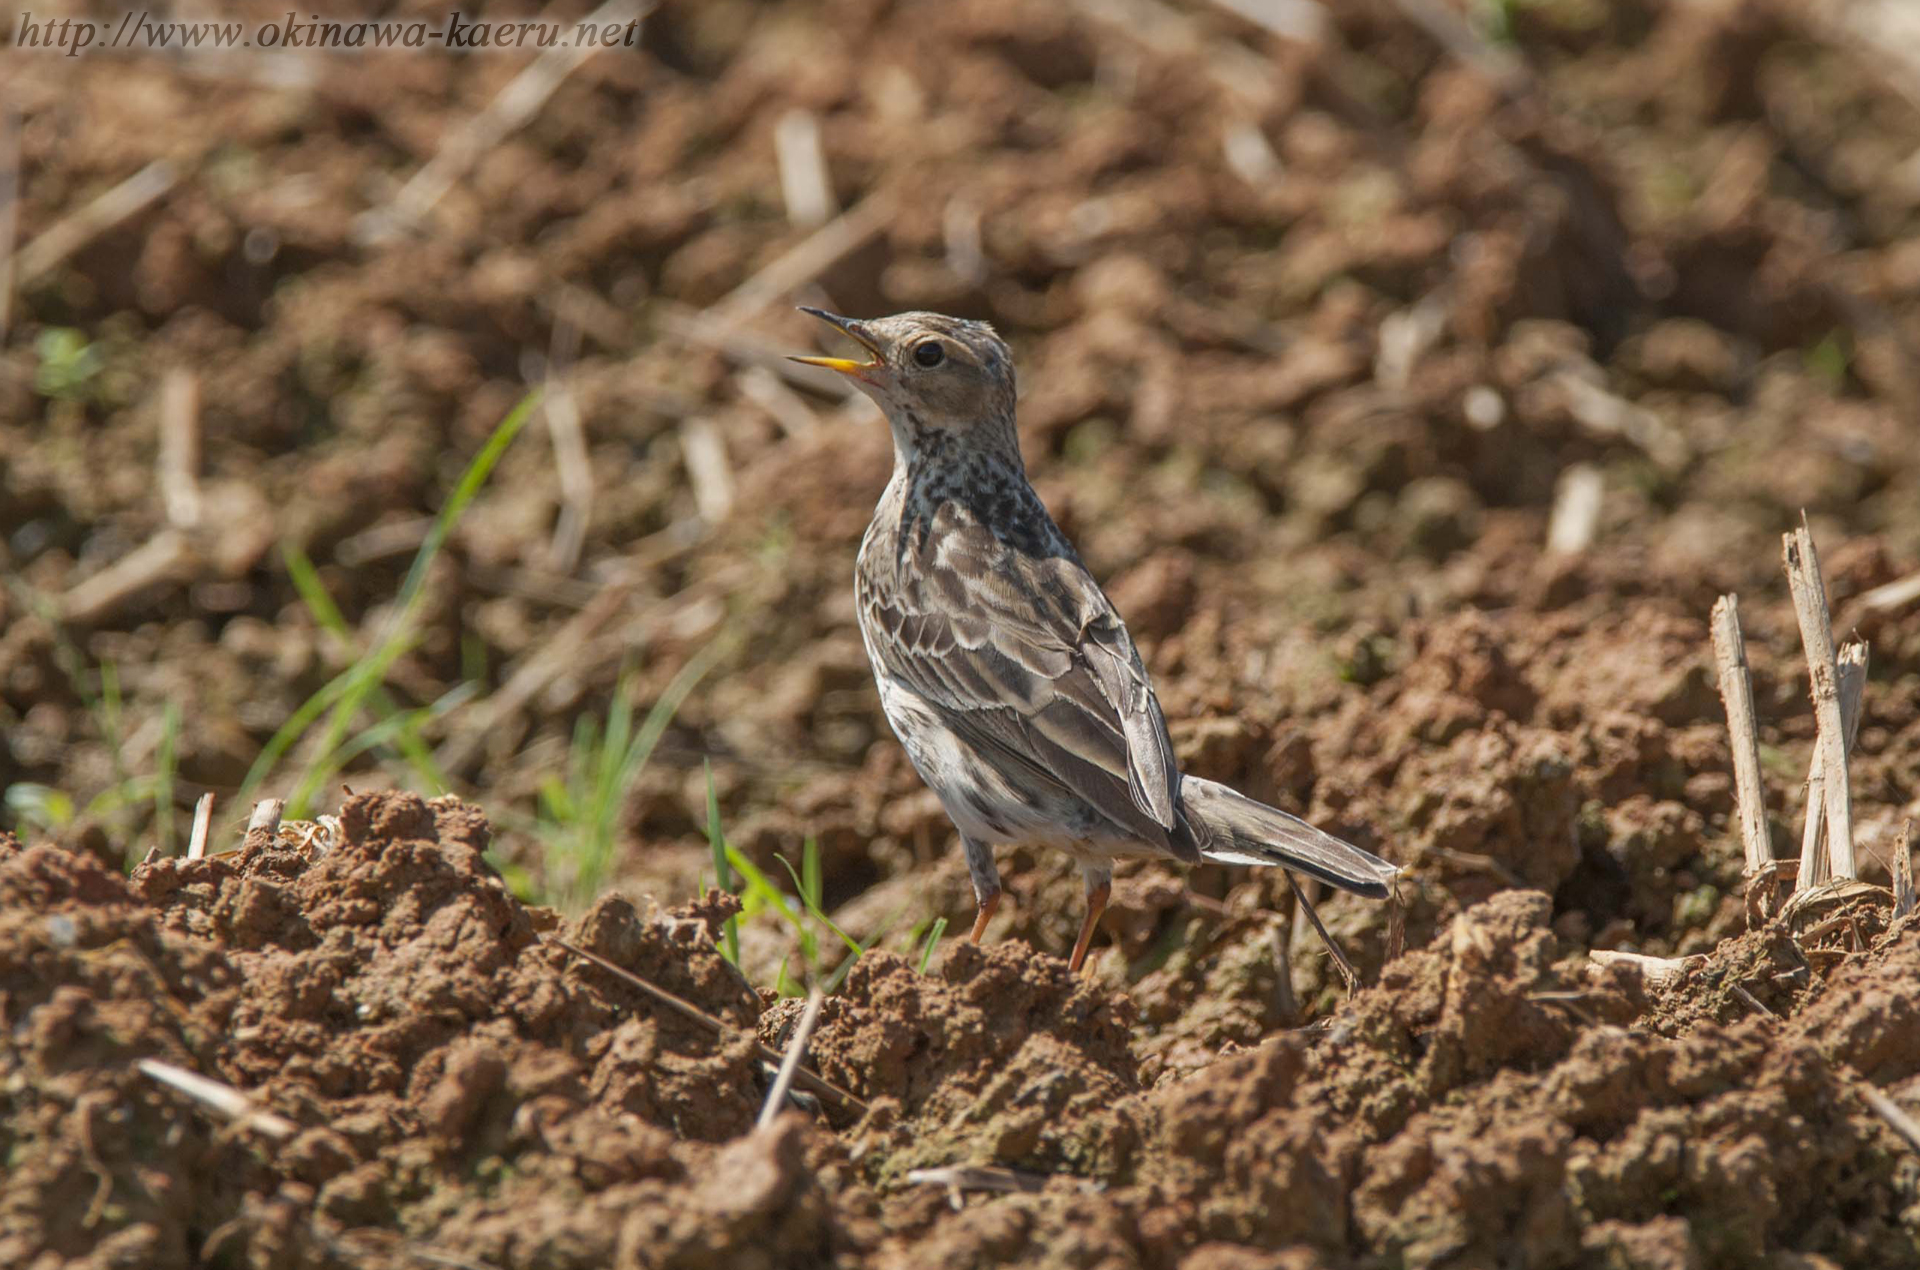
x,y
348,692
810,872
813,906
163,782
933,942
359,679
555,803
723,877
384,732
313,592
579,816
840,973
291,731
785,984
632,755
405,739
757,882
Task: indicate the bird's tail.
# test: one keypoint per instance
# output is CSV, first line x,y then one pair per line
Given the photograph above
x,y
1233,829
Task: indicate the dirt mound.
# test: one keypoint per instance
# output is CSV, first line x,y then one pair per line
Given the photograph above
x,y
1485,1105
392,999
102,1162
459,1088
1002,1055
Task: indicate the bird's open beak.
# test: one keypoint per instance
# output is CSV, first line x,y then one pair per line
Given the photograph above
x,y
842,364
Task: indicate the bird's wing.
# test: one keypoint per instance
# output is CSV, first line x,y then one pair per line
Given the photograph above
x,y
1024,657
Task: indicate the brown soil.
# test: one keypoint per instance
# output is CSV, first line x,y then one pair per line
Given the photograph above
x,y
1307,335
463,1090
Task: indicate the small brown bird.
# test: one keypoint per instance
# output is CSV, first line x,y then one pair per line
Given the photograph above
x,y
1003,667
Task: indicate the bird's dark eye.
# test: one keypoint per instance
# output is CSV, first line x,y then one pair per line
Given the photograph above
x,y
929,354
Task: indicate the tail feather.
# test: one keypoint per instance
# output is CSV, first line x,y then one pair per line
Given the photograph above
x,y
1234,829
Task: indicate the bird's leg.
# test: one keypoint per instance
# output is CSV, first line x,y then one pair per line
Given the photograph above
x,y
1099,890
987,904
986,884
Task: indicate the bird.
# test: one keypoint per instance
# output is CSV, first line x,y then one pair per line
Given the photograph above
x,y
1002,667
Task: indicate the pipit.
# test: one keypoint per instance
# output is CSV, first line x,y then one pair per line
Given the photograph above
x,y
1003,667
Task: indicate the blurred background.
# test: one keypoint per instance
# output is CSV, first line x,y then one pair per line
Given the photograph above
x,y
1416,374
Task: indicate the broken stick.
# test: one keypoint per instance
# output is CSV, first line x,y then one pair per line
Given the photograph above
x,y
1903,872
1736,693
1816,635
1816,865
790,1063
202,822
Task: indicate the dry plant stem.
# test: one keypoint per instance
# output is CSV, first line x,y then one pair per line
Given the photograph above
x,y
785,406
1250,156
162,558
1304,20
61,239
506,114
1407,335
539,669
1479,863
806,186
1816,634
84,1108
1894,1114
263,825
1285,1002
1736,693
978,1178
744,348
1396,925
570,462
1347,971
1903,872
1575,519
1610,415
1213,908
383,541
708,470
610,326
223,1098
9,208
1815,862
558,590
202,822
960,234
1752,1001
178,464
796,1053
804,261
1882,37
720,1027
1892,596
1244,74
1498,66
1659,971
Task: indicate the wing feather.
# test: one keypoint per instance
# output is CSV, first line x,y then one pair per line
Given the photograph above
x,y
1024,658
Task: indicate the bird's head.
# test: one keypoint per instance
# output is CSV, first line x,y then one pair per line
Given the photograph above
x,y
931,374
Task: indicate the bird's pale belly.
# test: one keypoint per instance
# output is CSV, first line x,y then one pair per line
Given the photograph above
x,y
981,802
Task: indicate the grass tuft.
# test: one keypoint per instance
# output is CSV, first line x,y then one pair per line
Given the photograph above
x,y
342,697
579,815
